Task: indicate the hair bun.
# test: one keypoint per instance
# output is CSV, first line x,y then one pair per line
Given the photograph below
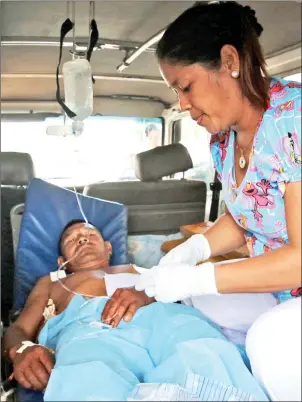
x,y
250,14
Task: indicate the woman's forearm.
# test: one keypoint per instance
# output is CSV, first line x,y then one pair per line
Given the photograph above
x,y
225,236
274,271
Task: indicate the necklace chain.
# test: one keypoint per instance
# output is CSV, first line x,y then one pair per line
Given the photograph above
x,y
242,161
246,147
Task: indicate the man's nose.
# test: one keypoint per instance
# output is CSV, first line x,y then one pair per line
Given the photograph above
x,y
82,240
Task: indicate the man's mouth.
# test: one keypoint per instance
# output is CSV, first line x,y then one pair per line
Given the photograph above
x,y
83,249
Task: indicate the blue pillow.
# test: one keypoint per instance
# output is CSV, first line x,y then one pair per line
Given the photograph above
x,y
144,250
47,210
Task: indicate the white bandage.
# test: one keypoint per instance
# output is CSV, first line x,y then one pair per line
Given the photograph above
x,y
118,281
170,283
55,275
25,345
194,250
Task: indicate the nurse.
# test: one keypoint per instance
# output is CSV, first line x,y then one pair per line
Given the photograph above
x,y
211,57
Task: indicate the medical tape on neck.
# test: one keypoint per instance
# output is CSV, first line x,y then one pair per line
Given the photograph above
x,y
56,275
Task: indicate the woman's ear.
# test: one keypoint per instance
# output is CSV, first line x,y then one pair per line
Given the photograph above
x,y
230,60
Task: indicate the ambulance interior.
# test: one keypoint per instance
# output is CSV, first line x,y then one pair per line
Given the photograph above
x,y
133,111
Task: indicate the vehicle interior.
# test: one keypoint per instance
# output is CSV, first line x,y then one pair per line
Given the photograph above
x,y
171,192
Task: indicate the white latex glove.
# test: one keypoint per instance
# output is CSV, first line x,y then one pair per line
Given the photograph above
x,y
170,283
192,251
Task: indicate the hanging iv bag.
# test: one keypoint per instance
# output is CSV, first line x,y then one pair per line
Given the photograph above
x,y
78,91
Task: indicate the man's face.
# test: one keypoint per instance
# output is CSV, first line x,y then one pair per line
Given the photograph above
x,y
84,247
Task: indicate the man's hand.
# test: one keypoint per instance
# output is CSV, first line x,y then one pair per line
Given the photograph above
x,y
123,304
32,367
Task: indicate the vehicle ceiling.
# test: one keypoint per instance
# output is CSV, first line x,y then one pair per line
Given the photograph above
x,y
126,21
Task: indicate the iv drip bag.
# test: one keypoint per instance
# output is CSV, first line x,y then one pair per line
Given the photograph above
x,y
78,91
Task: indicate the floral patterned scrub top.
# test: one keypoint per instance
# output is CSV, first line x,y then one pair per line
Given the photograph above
x,y
257,204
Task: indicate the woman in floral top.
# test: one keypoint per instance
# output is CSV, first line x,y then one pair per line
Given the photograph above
x,y
212,58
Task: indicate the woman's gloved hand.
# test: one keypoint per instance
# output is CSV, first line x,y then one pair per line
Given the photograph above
x,y
192,251
170,283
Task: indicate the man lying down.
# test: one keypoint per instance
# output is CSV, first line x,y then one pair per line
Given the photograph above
x,y
85,351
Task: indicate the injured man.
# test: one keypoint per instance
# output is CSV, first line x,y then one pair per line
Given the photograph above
x,y
93,344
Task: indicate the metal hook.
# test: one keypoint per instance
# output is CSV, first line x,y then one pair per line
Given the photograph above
x,y
74,51
92,5
91,17
89,22
67,9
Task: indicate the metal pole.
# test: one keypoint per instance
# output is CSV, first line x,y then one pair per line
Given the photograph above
x,y
134,55
74,28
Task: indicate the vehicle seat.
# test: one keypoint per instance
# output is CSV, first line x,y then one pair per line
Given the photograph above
x,y
17,170
16,215
157,205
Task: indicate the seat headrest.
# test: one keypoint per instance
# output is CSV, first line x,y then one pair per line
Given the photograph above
x,y
17,169
162,161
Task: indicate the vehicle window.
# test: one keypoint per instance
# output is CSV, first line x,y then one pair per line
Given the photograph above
x,y
294,77
196,139
104,152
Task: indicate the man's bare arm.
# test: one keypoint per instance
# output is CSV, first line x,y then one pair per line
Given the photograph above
x,y
33,366
27,325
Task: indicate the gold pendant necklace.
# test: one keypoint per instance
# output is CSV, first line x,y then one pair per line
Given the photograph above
x,y
242,161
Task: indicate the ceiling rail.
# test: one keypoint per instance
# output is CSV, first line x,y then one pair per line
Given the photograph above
x,y
124,78
81,43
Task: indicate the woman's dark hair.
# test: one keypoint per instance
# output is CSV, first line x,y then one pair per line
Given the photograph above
x,y
198,35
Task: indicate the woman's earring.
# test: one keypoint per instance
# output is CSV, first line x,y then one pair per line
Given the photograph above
x,y
235,74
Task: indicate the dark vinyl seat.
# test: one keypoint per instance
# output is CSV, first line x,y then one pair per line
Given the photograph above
x,y
157,205
17,170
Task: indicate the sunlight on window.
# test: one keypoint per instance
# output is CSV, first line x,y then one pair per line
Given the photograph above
x,y
295,77
196,139
104,152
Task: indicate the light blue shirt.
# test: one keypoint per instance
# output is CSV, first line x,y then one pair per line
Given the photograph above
x,y
257,204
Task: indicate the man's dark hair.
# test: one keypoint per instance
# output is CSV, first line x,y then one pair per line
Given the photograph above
x,y
199,33
68,225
